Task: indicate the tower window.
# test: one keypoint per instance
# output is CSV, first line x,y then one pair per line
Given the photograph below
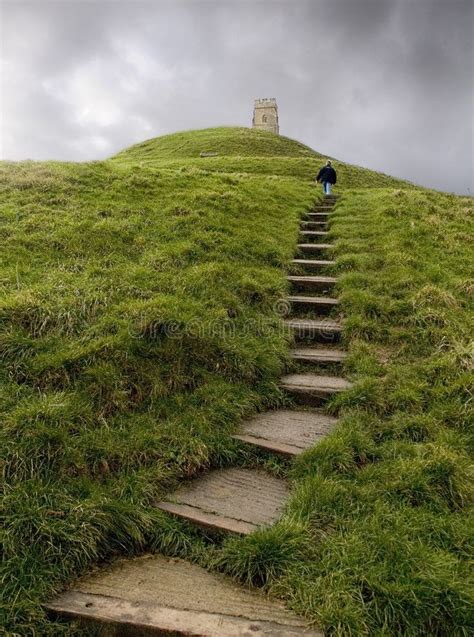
x,y
264,119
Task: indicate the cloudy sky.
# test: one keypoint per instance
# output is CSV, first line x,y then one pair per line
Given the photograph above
x,y
386,84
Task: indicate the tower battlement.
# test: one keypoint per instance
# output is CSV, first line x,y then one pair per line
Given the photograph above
x,y
265,115
265,101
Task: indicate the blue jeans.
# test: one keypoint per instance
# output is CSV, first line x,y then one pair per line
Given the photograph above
x,y
326,187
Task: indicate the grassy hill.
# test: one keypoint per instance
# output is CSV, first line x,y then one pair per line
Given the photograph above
x,y
139,324
246,152
227,142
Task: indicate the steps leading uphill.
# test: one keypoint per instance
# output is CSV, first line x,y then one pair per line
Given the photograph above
x,y
156,595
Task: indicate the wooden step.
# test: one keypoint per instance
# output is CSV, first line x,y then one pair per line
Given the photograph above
x,y
284,431
313,234
311,282
314,247
314,216
155,595
314,225
322,304
313,389
311,329
220,500
313,264
318,355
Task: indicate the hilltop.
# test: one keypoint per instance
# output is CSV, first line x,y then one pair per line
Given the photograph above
x,y
225,141
139,326
247,152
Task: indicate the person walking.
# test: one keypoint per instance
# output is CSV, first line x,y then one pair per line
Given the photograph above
x,y
327,176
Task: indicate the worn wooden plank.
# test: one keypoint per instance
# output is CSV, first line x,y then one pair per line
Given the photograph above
x,y
217,522
308,234
314,247
314,385
319,355
313,264
286,431
312,280
153,595
270,445
311,329
222,497
324,301
324,324
314,225
312,283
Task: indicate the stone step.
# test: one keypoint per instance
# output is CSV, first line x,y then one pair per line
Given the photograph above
x,y
285,431
313,264
220,500
323,304
155,595
311,282
318,355
311,329
307,235
313,389
314,247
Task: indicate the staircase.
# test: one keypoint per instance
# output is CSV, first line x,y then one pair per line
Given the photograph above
x,y
155,595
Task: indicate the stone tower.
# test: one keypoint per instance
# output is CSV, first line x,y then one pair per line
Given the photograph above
x,y
265,115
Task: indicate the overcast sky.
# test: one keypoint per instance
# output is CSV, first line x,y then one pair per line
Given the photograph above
x,y
386,84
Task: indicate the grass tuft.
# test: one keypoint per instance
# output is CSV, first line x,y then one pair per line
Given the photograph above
x,y
265,555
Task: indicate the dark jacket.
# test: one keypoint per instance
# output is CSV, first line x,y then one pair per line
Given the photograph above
x,y
327,173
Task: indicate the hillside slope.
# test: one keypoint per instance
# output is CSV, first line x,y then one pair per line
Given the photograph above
x,y
246,152
140,324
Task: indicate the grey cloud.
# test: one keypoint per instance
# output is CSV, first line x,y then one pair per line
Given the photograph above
x,y
382,83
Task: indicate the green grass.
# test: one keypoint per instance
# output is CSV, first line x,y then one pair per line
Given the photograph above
x,y
244,153
139,325
228,142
